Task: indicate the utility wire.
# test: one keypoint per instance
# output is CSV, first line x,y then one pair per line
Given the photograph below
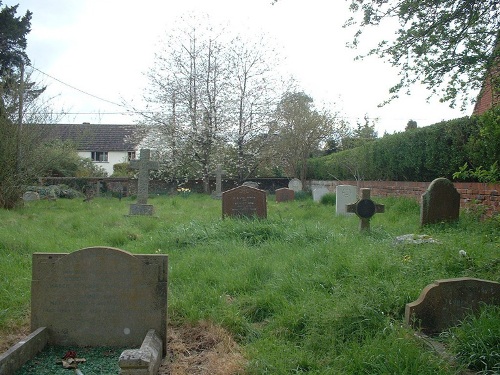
x,y
77,89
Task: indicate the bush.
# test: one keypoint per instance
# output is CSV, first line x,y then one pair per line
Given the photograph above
x,y
329,199
302,195
55,191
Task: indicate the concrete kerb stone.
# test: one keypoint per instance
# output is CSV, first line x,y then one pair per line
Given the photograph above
x,y
15,357
143,361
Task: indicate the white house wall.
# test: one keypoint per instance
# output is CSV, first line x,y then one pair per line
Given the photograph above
x,y
114,157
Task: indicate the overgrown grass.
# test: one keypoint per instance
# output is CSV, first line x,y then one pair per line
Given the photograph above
x,y
302,291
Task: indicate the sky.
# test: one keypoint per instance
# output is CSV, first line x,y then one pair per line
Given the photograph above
x,y
94,55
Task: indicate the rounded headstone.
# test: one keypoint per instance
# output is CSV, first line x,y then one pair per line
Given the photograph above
x,y
295,184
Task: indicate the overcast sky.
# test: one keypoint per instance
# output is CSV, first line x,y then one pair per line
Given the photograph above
x,y
104,47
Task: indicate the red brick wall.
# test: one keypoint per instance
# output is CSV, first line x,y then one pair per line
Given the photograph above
x,y
471,193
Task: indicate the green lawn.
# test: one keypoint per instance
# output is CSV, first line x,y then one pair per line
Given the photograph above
x,y
302,292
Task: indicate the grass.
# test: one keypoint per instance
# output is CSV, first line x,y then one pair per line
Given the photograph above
x,y
302,292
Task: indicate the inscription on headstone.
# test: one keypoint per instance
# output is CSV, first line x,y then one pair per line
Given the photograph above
x,y
284,195
99,296
445,303
244,201
144,165
441,202
345,194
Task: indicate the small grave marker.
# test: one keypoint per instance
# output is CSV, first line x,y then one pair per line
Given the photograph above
x,y
344,195
445,303
441,202
284,195
31,196
295,184
144,165
365,208
244,201
318,192
218,182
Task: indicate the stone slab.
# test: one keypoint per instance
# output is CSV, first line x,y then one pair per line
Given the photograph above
x,y
440,203
14,358
244,201
145,360
445,303
141,209
284,195
99,296
295,184
344,195
318,192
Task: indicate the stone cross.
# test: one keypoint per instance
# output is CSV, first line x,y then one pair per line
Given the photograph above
x,y
365,208
144,165
218,182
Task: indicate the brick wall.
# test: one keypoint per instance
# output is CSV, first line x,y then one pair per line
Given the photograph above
x,y
471,193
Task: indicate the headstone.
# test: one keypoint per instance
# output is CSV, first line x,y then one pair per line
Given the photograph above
x,y
31,196
365,208
99,296
441,202
445,303
284,195
295,184
244,201
218,182
144,165
252,184
318,192
345,194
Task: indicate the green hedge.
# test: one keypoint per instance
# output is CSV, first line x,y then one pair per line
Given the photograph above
x,y
421,154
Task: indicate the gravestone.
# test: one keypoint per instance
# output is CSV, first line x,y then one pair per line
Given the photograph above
x,y
445,303
244,201
284,195
365,208
99,296
318,192
144,165
441,202
295,184
218,182
252,184
344,195
31,196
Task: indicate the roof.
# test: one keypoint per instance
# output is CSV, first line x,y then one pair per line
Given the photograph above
x,y
95,137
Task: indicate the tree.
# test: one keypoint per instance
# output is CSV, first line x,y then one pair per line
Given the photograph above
x,y
362,134
448,45
410,125
299,130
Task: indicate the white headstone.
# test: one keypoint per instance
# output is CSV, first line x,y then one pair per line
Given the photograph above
x,y
345,194
295,184
318,192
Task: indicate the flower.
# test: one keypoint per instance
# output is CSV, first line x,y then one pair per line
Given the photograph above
x,y
462,253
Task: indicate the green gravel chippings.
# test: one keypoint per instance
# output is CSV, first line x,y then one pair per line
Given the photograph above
x,y
100,361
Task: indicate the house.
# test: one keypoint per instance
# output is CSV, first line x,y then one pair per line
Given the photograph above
x,y
105,145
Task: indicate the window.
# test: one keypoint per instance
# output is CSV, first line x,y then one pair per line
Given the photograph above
x,y
130,155
99,156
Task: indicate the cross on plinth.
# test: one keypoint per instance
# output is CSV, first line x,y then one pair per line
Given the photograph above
x,y
218,182
144,165
365,208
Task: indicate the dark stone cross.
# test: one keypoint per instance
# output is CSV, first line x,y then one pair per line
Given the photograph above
x,y
144,165
365,208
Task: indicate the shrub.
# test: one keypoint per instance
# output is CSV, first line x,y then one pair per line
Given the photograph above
x,y
329,199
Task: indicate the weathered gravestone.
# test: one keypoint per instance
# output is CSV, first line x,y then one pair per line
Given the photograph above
x,y
441,202
217,194
31,196
318,192
365,208
144,165
244,201
295,184
284,195
344,195
252,184
445,303
101,296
